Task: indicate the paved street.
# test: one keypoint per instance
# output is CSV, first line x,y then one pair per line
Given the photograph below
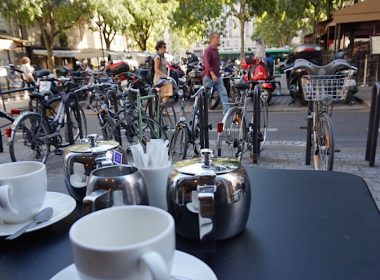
x,y
285,148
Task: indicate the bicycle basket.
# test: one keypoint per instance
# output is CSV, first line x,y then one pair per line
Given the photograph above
x,y
315,87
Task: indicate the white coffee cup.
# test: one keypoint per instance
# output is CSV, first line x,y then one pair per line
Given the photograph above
x,y
156,180
127,242
23,187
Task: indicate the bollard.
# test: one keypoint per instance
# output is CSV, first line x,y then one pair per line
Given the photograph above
x,y
365,72
373,125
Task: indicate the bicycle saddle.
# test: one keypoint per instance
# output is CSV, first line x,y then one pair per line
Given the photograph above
x,y
328,69
241,86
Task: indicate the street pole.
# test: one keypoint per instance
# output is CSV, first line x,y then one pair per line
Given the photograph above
x,y
99,23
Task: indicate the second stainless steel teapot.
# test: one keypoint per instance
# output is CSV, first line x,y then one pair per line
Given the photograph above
x,y
209,200
114,185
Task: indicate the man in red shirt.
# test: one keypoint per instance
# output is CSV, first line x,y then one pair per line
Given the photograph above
x,y
211,67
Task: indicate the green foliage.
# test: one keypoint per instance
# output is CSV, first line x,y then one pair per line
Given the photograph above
x,y
148,18
111,18
197,17
282,19
52,16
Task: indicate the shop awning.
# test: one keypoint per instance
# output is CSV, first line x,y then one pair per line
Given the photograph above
x,y
10,43
368,10
81,54
7,45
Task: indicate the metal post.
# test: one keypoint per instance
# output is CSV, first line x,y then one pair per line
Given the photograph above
x,y
365,72
205,115
1,142
309,122
373,133
370,123
201,120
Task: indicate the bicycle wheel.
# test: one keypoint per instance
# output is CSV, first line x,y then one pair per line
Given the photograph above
x,y
179,143
28,141
127,130
195,132
233,136
107,127
263,123
78,124
168,116
150,129
323,143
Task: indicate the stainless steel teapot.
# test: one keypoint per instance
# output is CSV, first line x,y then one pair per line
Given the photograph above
x,y
114,185
209,200
81,159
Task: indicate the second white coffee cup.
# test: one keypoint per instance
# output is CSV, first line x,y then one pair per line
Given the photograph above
x,y
127,242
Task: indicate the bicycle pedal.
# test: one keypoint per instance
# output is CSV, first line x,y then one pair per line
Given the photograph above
x,y
58,152
337,150
303,127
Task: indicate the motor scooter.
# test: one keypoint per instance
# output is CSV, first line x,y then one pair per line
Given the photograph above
x,y
257,71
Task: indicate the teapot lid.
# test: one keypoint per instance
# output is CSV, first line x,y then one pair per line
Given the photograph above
x,y
93,146
196,166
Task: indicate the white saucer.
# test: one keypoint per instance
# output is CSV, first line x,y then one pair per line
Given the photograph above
x,y
62,205
184,265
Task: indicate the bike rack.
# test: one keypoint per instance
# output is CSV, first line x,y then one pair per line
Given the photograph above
x,y
373,125
309,121
203,117
256,111
156,97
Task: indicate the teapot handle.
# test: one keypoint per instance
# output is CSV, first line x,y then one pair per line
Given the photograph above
x,y
96,200
206,216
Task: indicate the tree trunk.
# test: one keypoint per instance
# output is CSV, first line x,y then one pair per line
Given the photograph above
x,y
50,58
242,23
48,41
108,43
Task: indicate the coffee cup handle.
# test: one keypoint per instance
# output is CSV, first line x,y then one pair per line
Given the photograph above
x,y
156,264
5,204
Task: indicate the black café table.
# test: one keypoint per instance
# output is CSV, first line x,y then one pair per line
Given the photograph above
x,y
302,225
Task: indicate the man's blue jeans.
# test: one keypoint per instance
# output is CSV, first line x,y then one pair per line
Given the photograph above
x,y
219,87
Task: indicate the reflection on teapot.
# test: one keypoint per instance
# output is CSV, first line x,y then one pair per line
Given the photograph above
x,y
209,200
113,186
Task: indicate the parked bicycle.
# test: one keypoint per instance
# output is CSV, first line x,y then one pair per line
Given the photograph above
x,y
322,86
58,121
132,123
193,132
236,135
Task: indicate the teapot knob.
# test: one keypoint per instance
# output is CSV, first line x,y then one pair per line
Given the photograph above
x,y
92,139
207,154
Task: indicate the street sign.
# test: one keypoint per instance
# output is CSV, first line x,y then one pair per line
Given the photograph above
x,y
375,44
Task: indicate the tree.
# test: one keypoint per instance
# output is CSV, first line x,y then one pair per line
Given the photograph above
x,y
51,16
148,17
197,17
276,30
244,10
111,17
280,22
